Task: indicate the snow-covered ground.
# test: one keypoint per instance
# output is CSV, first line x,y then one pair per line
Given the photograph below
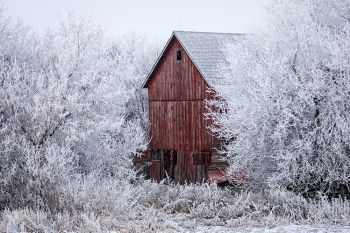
x,y
279,229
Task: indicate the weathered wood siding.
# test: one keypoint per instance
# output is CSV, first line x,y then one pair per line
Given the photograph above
x,y
179,125
176,92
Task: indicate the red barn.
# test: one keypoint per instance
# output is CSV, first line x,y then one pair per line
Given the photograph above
x,y
181,145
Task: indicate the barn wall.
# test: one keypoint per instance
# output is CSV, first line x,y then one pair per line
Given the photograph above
x,y
176,92
179,125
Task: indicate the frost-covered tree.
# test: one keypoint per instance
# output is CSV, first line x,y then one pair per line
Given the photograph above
x,y
70,113
286,98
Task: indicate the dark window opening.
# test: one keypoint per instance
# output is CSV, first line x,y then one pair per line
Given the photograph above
x,y
178,55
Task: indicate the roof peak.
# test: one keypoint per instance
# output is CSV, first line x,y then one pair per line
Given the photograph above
x,y
205,50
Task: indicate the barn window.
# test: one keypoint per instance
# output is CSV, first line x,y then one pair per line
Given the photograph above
x,y
178,55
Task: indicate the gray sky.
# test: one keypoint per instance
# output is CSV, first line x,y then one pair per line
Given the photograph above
x,y
155,19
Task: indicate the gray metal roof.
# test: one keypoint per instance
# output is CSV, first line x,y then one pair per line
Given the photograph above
x,y
205,50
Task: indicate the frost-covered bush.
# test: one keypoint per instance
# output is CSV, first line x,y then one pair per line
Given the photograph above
x,y
154,207
286,99
174,198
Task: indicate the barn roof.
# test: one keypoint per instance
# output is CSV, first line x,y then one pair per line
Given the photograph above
x,y
205,50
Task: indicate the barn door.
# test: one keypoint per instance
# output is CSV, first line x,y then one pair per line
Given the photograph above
x,y
163,164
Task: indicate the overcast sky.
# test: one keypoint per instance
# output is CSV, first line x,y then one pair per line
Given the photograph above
x,y
155,19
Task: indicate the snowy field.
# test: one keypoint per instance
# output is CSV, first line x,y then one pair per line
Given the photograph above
x,y
279,229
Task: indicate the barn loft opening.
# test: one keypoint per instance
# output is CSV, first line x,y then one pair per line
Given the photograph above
x,y
178,55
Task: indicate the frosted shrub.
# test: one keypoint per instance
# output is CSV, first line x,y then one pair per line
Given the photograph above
x,y
158,207
175,198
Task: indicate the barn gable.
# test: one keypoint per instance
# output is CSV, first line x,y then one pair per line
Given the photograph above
x,y
173,79
205,49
